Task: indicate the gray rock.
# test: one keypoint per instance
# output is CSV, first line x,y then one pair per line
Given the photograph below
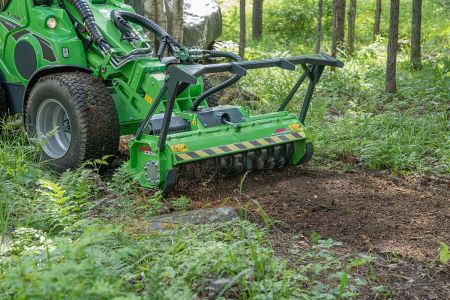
x,y
215,286
202,20
194,217
202,23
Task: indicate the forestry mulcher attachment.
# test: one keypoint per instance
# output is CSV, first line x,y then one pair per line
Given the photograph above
x,y
83,73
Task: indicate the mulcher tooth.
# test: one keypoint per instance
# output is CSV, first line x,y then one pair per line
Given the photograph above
x,y
278,152
225,166
238,163
289,150
250,163
262,158
271,162
269,158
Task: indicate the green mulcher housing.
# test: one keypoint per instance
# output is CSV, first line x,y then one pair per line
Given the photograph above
x,y
83,73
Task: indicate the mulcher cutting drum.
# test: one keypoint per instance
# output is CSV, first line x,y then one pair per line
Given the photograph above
x,y
83,72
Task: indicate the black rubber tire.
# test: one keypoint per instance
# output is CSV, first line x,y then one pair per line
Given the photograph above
x,y
4,109
212,100
308,155
95,129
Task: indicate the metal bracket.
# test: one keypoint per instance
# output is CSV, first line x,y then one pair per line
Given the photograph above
x,y
175,78
313,73
286,65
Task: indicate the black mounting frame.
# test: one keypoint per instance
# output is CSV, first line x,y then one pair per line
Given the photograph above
x,y
180,76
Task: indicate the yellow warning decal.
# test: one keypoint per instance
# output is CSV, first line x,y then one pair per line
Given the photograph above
x,y
244,146
180,148
148,99
295,127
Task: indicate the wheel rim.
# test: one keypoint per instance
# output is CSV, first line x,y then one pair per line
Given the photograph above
x,y
53,124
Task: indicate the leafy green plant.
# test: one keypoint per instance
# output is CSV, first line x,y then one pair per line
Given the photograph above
x,y
155,204
342,284
328,275
29,241
58,210
122,183
99,162
89,267
62,207
283,18
315,238
267,221
444,254
181,204
5,211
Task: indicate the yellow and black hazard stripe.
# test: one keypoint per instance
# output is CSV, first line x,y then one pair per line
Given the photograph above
x,y
244,146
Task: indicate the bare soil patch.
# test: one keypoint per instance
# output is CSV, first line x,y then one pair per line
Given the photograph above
x,y
399,220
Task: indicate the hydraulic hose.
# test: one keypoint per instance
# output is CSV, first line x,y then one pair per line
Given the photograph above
x,y
83,8
223,85
166,40
143,21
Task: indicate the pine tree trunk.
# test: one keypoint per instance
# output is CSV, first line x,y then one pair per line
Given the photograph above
x,y
351,27
319,25
243,24
338,26
416,54
257,19
391,64
376,25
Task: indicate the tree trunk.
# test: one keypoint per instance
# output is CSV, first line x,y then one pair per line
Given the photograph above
x,y
351,27
257,19
416,61
391,64
376,25
338,26
242,28
319,25
138,6
155,10
176,29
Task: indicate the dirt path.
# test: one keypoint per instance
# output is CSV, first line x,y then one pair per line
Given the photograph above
x,y
402,221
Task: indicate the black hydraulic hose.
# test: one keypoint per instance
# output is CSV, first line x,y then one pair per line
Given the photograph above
x,y
141,20
166,39
162,48
223,85
83,8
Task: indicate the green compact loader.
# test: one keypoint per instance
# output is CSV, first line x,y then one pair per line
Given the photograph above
x,y
83,73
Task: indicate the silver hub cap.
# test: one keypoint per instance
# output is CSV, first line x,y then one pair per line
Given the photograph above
x,y
53,125
151,170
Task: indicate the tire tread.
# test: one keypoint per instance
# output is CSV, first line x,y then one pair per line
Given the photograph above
x,y
96,111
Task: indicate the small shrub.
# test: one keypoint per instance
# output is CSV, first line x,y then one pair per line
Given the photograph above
x,y
181,204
